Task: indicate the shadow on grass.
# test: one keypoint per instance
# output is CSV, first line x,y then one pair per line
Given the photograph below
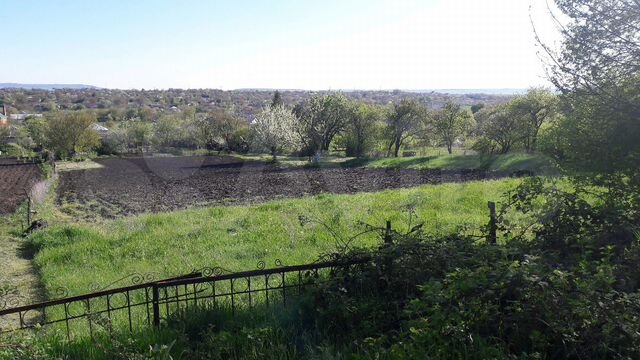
x,y
205,332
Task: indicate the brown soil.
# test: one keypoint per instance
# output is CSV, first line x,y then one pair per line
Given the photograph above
x,y
14,180
136,185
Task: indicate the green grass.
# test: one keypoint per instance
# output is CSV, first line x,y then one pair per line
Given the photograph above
x,y
435,159
76,256
508,163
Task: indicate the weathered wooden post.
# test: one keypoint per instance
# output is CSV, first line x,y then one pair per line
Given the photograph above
x,y
387,235
26,193
493,223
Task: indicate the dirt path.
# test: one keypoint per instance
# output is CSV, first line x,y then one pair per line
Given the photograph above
x,y
19,281
19,284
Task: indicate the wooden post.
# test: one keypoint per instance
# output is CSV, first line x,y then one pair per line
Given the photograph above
x,y
387,234
493,224
156,306
26,193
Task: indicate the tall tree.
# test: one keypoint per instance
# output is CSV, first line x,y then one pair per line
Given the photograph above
x,y
277,99
37,128
451,123
536,107
323,118
274,130
500,128
69,132
600,47
4,133
363,128
403,122
168,130
597,70
139,133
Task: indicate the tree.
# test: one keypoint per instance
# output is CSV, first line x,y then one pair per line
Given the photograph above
x,y
476,107
37,128
536,107
226,125
597,70
600,48
363,128
403,122
167,131
323,118
501,128
216,130
139,133
274,130
4,134
451,123
277,99
69,132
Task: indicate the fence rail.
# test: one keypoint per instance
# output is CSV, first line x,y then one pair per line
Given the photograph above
x,y
150,303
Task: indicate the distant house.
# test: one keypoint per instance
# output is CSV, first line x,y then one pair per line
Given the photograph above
x,y
4,119
22,117
103,131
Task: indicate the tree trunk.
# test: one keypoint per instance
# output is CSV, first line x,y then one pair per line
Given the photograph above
x,y
397,148
449,146
534,141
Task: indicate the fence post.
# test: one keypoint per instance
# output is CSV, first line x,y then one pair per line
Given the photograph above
x,y
26,193
493,223
387,234
156,306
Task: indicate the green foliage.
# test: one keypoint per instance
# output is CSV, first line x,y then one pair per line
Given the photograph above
x,y
363,129
216,129
500,130
139,133
168,131
512,163
404,121
277,99
451,123
15,150
419,297
534,108
69,132
517,123
321,120
37,128
237,237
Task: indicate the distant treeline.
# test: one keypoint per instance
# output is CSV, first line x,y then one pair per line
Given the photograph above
x,y
121,104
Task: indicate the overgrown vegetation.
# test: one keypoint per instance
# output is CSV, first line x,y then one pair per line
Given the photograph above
x,y
75,256
561,283
437,297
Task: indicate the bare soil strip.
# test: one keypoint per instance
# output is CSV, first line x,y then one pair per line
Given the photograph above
x,y
14,180
123,187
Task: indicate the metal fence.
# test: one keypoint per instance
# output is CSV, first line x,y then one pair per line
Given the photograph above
x,y
148,304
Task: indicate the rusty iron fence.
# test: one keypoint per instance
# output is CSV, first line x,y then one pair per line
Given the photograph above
x,y
149,303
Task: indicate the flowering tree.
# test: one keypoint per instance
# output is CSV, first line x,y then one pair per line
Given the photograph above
x,y
274,130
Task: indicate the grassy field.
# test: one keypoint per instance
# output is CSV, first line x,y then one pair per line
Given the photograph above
x,y
507,163
534,163
76,256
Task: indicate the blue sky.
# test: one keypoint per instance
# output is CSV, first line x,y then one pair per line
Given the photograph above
x,y
308,44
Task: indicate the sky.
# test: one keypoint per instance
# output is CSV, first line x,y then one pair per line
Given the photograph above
x,y
285,44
